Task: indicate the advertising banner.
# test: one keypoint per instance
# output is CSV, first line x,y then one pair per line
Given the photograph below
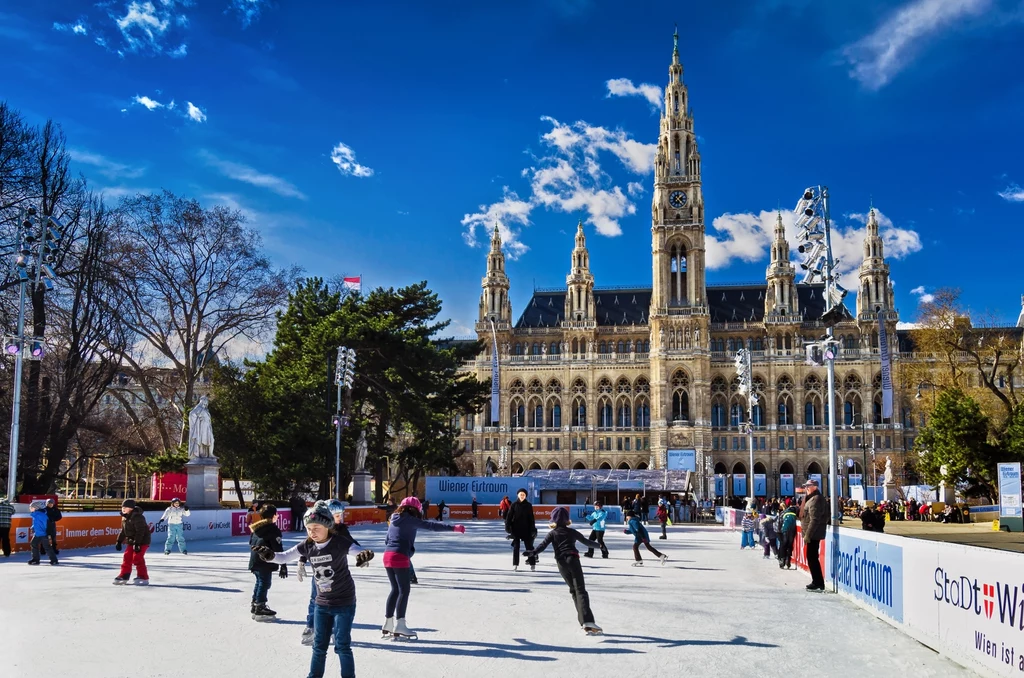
x,y
739,484
1009,490
855,479
167,486
786,484
760,485
682,460
867,570
719,485
461,489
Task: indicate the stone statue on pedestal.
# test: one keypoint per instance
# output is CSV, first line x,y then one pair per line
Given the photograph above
x,y
200,431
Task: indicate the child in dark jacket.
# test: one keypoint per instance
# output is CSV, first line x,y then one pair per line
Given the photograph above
x,y
40,541
265,533
135,533
662,515
640,536
399,546
567,558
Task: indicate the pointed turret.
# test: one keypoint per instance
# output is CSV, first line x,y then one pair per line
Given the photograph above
x,y
579,297
494,302
875,287
781,298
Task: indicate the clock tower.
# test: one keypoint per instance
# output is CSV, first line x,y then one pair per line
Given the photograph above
x,y
679,318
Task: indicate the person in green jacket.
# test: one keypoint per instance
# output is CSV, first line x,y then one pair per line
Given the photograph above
x,y
787,534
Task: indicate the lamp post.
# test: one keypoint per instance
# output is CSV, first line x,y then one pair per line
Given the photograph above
x,y
344,373
928,385
37,241
746,388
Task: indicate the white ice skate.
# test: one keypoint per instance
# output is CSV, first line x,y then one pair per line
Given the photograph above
x,y
142,582
402,632
307,636
662,558
592,629
388,629
638,563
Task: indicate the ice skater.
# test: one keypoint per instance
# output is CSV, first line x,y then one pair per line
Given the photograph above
x,y
399,545
520,526
768,536
265,535
173,516
40,540
597,519
787,537
53,516
327,549
662,515
747,527
567,558
135,533
640,536
337,510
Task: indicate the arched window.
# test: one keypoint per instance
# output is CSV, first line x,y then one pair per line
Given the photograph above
x,y
605,466
534,466
579,412
718,415
517,413
579,466
812,411
757,414
554,415
623,415
643,413
604,413
719,402
553,466
620,348
681,406
535,348
554,348
737,415
602,347
624,466
536,414
517,468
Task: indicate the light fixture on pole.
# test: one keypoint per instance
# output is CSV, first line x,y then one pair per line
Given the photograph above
x,y
746,387
816,244
344,374
37,238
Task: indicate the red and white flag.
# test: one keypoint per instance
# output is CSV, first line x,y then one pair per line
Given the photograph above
x,y
353,284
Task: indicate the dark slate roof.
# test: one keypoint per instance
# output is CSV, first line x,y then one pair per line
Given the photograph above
x,y
626,306
630,306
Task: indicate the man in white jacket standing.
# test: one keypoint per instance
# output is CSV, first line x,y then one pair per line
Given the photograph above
x,y
175,530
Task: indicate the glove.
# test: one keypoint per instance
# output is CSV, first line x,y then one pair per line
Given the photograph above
x,y
137,548
529,554
160,521
264,552
625,532
283,572
300,574
364,557
184,507
118,546
508,536
461,529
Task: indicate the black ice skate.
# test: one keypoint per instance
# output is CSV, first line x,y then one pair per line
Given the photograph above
x,y
121,580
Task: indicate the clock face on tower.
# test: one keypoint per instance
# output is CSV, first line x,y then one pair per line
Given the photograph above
x,y
677,199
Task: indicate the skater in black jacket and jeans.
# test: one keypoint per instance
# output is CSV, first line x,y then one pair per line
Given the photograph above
x,y
567,558
521,527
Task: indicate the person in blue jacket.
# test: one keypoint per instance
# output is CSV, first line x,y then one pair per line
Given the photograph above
x,y
597,519
40,521
399,545
640,536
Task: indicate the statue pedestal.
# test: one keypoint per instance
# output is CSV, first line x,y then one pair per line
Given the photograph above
x,y
946,494
889,492
203,483
361,491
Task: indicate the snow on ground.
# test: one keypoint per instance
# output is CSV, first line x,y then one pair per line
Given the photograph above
x,y
711,609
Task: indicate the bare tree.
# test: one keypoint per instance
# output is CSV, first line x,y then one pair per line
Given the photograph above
x,y
193,279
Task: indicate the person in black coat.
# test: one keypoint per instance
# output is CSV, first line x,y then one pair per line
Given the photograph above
x,y
53,515
521,528
298,507
265,533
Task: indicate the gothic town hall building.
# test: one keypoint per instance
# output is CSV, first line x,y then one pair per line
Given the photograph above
x,y
612,378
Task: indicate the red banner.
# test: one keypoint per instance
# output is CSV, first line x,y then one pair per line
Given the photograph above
x,y
167,486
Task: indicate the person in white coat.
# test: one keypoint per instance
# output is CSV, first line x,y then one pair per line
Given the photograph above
x,y
173,515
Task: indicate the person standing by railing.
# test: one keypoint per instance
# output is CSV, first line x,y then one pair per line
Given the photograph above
x,y
6,513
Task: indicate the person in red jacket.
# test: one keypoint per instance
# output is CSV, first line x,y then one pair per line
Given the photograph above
x,y
662,516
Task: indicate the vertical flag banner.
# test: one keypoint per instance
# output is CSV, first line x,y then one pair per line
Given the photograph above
x,y
353,284
883,345
495,385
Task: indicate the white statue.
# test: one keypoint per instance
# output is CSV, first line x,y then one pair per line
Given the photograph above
x,y
200,431
887,476
361,452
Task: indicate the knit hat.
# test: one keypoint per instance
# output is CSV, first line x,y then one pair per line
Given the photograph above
x,y
336,507
268,512
413,502
560,516
320,514
128,503
630,514
523,490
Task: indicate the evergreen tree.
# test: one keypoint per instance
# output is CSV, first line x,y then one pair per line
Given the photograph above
x,y
956,438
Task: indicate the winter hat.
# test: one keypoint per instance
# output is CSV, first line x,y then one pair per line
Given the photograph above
x,y
630,514
560,516
411,501
268,512
336,507
523,490
128,503
320,514
175,500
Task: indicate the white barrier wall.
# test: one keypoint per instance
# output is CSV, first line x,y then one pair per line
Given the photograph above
x,y
963,601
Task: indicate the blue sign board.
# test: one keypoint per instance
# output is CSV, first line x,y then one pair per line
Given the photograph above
x,y
460,489
1009,490
719,485
868,570
739,484
786,484
682,460
760,485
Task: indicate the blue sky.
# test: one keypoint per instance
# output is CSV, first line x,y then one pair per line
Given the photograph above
x,y
381,138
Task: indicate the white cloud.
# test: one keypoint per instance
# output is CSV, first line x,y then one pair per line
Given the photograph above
x,y
569,177
908,326
624,87
747,236
147,102
922,296
879,56
104,165
78,28
180,52
345,158
143,24
195,113
1012,193
248,175
248,10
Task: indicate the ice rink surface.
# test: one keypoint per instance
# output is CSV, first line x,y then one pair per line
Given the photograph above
x,y
712,610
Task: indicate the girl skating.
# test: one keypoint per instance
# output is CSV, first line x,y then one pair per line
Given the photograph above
x,y
597,519
173,516
567,558
399,545
337,510
640,536
265,535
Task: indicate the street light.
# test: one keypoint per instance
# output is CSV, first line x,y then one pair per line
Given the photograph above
x,y
38,237
928,385
344,374
744,372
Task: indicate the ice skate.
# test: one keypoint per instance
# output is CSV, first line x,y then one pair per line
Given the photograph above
x,y
33,562
121,580
388,629
604,554
403,632
184,553
592,629
663,558
167,553
533,567
638,563
262,613
141,582
307,636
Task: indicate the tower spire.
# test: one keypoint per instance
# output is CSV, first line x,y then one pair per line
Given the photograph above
x,y
675,46
579,297
494,302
